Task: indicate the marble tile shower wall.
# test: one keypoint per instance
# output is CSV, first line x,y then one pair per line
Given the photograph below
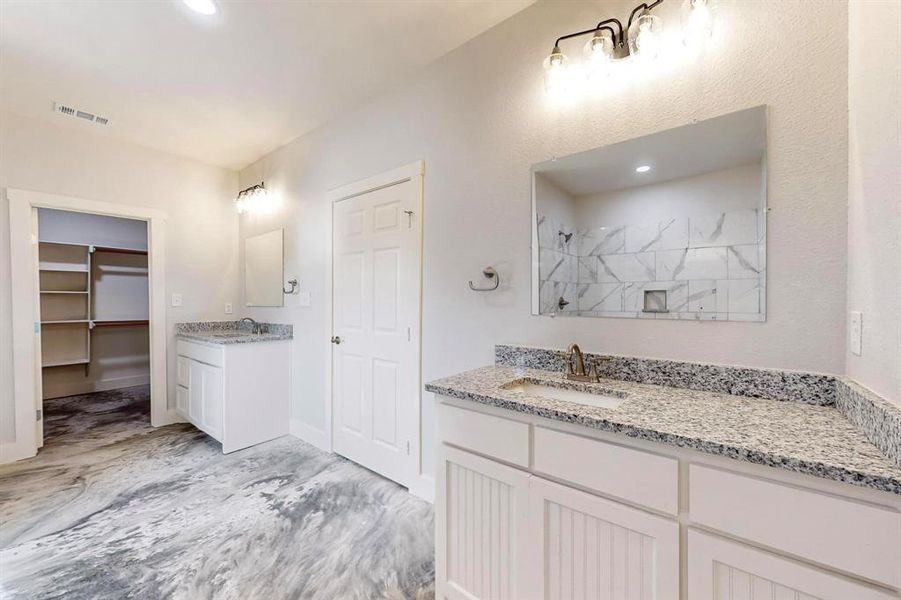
x,y
558,269
711,266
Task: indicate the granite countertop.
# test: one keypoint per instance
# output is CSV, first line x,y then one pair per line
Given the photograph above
x,y
232,332
796,436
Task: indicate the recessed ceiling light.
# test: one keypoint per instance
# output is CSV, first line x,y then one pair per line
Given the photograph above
x,y
204,7
643,169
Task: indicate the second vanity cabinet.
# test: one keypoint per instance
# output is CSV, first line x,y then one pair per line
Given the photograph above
x,y
235,393
530,508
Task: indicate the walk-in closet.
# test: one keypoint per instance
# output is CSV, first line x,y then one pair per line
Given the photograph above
x,y
93,303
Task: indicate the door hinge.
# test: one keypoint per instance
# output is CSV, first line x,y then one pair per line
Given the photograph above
x,y
38,415
408,445
37,326
409,334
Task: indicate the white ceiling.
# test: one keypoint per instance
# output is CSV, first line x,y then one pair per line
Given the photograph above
x,y
225,89
731,140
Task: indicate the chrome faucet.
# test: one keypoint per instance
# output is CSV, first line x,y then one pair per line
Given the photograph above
x,y
575,366
256,326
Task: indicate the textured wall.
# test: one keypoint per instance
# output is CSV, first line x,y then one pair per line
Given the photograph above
x,y
201,248
479,118
874,193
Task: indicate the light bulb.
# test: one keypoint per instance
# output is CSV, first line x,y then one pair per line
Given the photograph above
x,y
645,36
697,21
556,72
598,53
204,7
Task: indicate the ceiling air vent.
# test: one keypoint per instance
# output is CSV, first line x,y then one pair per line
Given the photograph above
x,y
80,114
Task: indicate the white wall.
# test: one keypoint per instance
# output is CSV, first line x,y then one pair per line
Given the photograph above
x,y
874,204
200,233
479,119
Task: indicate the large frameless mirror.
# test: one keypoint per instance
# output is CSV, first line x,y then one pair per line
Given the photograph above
x,y
666,226
263,265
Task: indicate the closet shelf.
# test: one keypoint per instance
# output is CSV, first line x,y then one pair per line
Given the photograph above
x,y
113,250
121,322
63,321
65,362
63,292
65,269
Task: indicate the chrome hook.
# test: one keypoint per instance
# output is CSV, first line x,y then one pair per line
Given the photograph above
x,y
293,284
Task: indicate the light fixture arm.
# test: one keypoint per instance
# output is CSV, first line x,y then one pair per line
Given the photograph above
x,y
622,37
259,186
640,8
585,32
619,34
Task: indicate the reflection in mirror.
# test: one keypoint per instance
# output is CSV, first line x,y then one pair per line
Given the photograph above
x,y
667,226
263,269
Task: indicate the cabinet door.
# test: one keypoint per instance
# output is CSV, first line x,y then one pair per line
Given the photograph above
x,y
182,375
720,569
195,393
589,547
181,400
212,401
481,512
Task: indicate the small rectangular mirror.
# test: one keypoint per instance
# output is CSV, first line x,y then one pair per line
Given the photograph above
x,y
263,269
671,225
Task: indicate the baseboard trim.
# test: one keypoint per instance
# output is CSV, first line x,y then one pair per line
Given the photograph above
x,y
88,387
423,487
309,434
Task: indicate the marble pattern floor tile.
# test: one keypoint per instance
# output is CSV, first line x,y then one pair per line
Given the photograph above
x,y
113,508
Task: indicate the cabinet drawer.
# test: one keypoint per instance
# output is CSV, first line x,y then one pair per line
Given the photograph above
x,y
633,475
206,354
485,434
846,534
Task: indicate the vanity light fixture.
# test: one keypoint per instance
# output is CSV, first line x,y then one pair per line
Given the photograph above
x,y
203,7
643,169
250,198
640,40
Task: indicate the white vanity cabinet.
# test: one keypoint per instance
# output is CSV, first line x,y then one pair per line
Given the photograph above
x,y
528,508
236,393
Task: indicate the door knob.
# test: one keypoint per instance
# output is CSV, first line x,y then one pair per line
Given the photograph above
x,y
336,339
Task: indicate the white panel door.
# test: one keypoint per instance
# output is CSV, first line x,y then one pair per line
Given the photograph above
x,y
720,569
593,548
376,292
481,512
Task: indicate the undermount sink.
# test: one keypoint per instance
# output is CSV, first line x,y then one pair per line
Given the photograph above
x,y
598,400
234,334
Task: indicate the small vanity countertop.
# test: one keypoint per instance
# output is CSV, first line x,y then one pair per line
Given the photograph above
x,y
232,332
800,437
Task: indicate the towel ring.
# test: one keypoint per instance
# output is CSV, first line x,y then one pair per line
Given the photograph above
x,y
489,273
293,284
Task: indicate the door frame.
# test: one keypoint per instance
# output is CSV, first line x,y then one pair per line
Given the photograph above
x,y
416,481
25,307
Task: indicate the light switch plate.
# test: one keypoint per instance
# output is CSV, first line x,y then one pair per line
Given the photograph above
x,y
228,308
855,332
304,298
176,299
